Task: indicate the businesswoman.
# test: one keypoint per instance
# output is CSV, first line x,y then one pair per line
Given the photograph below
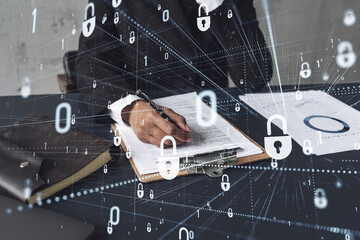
x,y
166,47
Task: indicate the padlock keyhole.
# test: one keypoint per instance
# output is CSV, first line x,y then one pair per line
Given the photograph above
x,y
203,22
277,145
168,166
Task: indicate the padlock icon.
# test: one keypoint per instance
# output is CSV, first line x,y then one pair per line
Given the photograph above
x,y
345,55
89,24
27,188
225,183
117,138
104,18
204,22
109,105
357,146
237,107
230,213
132,37
27,193
230,14
148,227
277,147
26,88
116,3
274,163
128,152
325,76
151,194
116,18
73,119
166,171
305,71
140,190
320,200
349,17
307,148
298,95
94,84
183,229
109,228
105,169
73,31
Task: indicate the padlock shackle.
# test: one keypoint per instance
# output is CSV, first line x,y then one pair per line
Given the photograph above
x,y
345,45
203,5
303,64
307,143
116,3
172,139
227,178
142,187
186,231
92,5
320,190
271,119
118,135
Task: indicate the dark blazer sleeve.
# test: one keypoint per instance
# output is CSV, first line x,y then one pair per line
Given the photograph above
x,y
249,61
102,74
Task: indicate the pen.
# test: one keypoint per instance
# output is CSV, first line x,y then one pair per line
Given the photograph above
x,y
145,97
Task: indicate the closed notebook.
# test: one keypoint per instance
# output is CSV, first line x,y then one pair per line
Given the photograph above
x,y
36,161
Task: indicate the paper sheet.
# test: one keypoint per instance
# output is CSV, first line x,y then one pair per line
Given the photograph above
x,y
218,137
335,116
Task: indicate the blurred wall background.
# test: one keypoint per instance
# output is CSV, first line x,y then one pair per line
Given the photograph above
x,y
304,30
24,53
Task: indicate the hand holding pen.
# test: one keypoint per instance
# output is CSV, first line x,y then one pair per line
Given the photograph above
x,y
151,123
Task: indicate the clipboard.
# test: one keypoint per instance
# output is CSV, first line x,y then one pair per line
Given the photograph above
x,y
224,159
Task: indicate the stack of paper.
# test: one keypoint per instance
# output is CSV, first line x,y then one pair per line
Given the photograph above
x,y
221,135
329,125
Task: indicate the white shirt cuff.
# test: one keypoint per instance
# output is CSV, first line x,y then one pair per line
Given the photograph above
x,y
117,107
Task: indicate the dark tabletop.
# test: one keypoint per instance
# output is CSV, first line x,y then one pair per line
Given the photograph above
x,y
267,203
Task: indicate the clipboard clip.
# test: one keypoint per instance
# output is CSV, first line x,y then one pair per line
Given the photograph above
x,y
211,164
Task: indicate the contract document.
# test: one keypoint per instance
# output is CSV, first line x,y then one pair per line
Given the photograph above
x,y
314,119
219,136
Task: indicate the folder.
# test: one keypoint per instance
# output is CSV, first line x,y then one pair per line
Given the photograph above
x,y
211,163
37,162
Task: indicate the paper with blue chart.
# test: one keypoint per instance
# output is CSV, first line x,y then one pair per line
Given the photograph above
x,y
314,119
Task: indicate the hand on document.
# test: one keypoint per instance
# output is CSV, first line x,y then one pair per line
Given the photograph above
x,y
150,127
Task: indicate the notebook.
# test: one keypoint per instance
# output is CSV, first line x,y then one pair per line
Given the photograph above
x,y
221,135
37,162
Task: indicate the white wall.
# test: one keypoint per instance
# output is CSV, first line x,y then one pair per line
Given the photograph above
x,y
22,52
307,27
